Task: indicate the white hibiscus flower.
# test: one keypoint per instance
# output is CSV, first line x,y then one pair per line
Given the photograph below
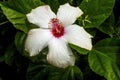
x,y
56,31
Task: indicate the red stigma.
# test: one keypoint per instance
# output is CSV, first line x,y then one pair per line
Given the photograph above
x,y
57,28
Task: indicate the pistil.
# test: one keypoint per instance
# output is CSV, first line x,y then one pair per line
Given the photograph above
x,y
57,27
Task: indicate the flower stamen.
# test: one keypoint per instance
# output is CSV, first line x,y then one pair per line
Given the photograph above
x,y
57,27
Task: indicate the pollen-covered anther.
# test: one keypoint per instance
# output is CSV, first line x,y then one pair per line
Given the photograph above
x,y
57,27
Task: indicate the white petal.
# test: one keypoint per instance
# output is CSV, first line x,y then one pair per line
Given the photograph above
x,y
68,14
59,54
37,39
41,16
78,36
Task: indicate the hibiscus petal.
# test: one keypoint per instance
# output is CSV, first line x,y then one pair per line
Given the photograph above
x,y
37,39
41,16
78,36
68,14
59,54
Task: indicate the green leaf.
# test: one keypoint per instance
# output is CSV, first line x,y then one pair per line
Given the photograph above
x,y
75,73
75,2
63,1
20,41
38,68
10,54
107,26
69,73
22,6
16,10
97,11
37,72
54,4
117,29
16,18
105,57
41,57
57,74
79,49
92,31
118,32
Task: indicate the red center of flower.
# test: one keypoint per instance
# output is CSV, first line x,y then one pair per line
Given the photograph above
x,y
57,28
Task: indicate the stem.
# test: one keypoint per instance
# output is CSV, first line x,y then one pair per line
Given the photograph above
x,y
4,23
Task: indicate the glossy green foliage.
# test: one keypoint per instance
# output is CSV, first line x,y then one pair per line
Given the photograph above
x,y
104,58
101,19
